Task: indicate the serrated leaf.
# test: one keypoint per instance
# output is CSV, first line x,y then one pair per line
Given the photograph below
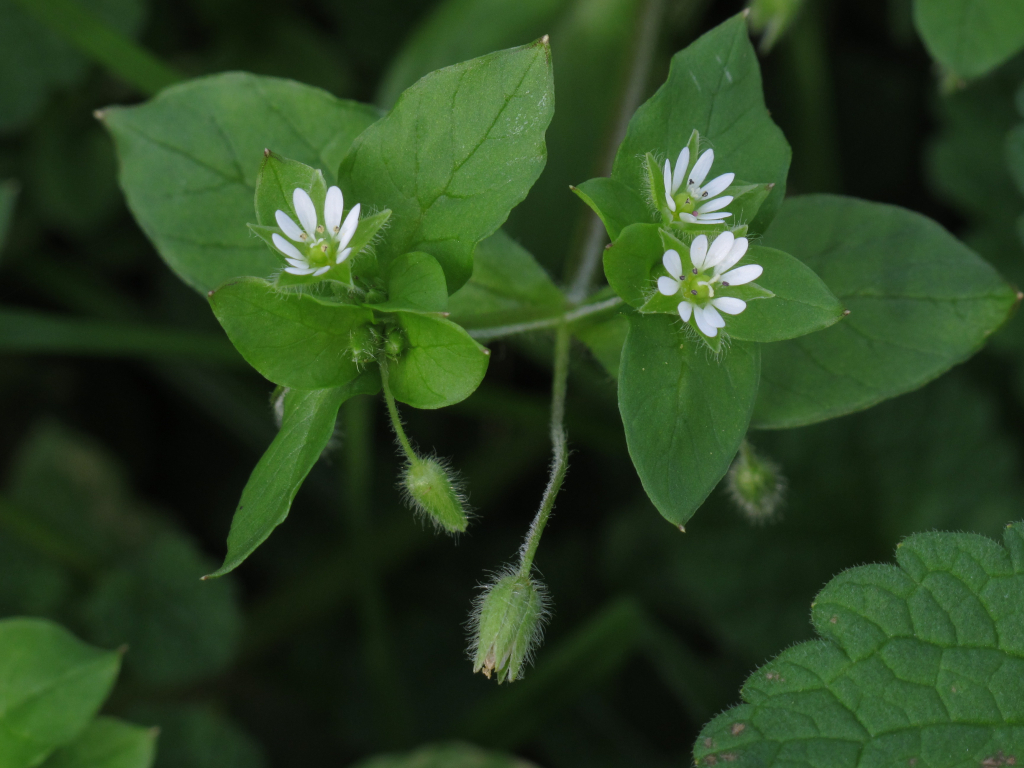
x,y
179,629
920,664
453,755
293,339
306,426
920,302
415,284
107,743
441,366
457,152
684,411
713,86
970,37
206,138
53,684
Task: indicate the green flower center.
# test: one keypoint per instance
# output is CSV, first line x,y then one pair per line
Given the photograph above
x,y
695,288
685,202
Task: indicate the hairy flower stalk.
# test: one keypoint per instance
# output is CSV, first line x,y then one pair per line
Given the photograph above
x,y
694,201
313,248
703,288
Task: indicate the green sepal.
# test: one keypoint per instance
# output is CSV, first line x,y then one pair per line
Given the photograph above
x,y
278,179
616,205
442,365
294,339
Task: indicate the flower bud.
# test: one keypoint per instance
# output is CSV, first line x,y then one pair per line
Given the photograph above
x,y
432,490
508,624
395,343
363,343
755,484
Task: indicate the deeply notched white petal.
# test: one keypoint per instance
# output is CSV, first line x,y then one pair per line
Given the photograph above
x,y
305,210
712,316
699,251
706,327
285,247
673,264
737,252
729,305
667,178
298,271
334,206
701,167
668,286
685,309
682,163
321,271
348,229
343,254
742,275
715,205
711,218
719,249
717,186
289,227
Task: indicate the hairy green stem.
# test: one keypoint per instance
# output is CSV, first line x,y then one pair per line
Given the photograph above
x,y
396,420
559,451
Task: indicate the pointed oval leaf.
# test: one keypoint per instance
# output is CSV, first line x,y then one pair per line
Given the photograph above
x,y
616,204
205,140
970,37
920,302
713,86
53,684
415,284
108,743
920,664
293,339
457,152
684,412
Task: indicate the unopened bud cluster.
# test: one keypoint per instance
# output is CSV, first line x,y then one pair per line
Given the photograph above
x,y
434,491
756,485
366,343
507,624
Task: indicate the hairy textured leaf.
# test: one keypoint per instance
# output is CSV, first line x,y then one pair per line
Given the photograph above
x,y
920,302
306,426
713,86
205,139
459,150
684,411
920,664
970,37
107,743
442,365
454,755
294,339
53,684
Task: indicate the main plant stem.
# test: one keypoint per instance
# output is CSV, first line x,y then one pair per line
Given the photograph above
x,y
559,451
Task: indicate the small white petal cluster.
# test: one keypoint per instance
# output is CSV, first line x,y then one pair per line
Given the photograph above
x,y
696,203
324,246
712,266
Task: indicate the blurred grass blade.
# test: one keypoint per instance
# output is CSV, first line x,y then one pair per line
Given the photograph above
x,y
118,53
8,195
514,714
24,331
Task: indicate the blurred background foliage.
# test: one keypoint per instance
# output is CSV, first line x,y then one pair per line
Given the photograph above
x,y
130,426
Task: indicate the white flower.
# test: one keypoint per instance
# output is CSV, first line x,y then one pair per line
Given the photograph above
x,y
316,247
696,203
711,267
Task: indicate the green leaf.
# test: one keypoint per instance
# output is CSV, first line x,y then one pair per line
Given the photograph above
x,y
970,37
179,629
508,286
208,136
802,303
920,302
107,743
459,150
451,755
918,664
8,195
713,86
442,365
293,339
306,426
415,284
617,204
629,261
199,736
53,684
684,412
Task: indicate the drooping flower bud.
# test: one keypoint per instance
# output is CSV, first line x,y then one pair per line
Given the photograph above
x,y
363,343
507,625
395,342
432,489
755,484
